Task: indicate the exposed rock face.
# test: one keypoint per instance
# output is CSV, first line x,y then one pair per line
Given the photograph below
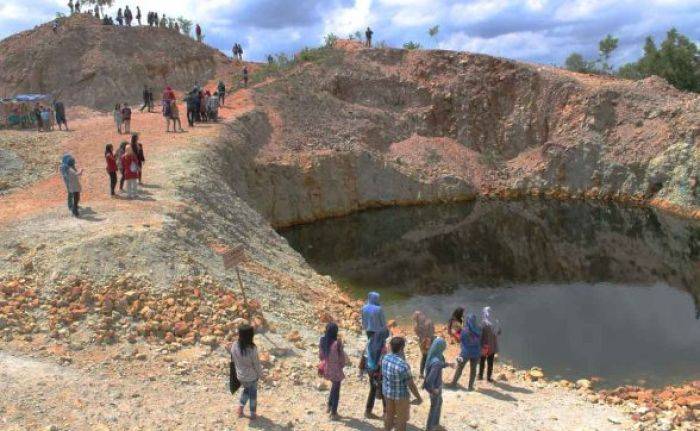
x,y
366,128
86,63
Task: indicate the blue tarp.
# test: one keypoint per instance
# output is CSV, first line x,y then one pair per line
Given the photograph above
x,y
31,97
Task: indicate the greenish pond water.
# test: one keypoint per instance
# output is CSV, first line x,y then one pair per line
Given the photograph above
x,y
580,289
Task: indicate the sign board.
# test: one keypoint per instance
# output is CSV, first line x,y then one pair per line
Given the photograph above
x,y
233,256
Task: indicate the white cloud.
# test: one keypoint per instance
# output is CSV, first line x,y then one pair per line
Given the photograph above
x,y
346,20
521,45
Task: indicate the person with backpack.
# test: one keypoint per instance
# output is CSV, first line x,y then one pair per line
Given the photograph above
x,y
490,330
126,118
332,359
425,331
120,17
222,93
397,381
244,355
372,363
373,319
433,381
74,187
63,168
470,351
130,163
111,168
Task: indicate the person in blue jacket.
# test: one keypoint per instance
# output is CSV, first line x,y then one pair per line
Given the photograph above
x,y
470,350
373,319
433,381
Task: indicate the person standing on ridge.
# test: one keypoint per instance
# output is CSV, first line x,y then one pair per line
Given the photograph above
x,y
128,17
120,17
70,6
240,52
368,35
332,359
111,168
74,187
97,12
396,383
63,168
433,381
490,330
222,93
77,6
138,15
454,326
425,331
60,111
470,351
244,355
198,32
126,118
373,319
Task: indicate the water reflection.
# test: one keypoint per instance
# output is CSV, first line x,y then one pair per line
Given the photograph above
x,y
583,289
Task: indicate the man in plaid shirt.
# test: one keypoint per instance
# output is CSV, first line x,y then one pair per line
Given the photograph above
x,y
396,382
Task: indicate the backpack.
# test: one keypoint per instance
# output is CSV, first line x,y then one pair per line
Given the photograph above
x,y
133,167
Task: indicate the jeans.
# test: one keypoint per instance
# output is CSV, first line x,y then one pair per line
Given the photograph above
x,y
374,386
76,201
190,117
472,371
489,362
250,394
127,126
334,397
435,409
423,357
70,199
131,188
121,181
112,182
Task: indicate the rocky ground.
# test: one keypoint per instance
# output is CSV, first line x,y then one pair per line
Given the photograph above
x,y
118,319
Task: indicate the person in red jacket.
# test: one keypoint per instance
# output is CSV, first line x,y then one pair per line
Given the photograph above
x,y
130,161
111,167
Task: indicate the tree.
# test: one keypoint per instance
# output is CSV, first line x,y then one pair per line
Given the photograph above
x,y
606,48
677,60
433,32
576,63
411,45
358,35
185,25
330,40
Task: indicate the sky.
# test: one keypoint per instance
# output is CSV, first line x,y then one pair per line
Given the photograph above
x,y
541,31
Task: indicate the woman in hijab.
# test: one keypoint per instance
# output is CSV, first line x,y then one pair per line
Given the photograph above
x,y
332,360
376,349
454,326
425,331
470,350
433,381
65,164
490,330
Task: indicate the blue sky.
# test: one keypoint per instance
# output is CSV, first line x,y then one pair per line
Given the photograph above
x,y
543,31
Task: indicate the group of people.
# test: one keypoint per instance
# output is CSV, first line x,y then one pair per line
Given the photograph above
x,y
390,377
47,116
127,161
237,51
202,106
127,16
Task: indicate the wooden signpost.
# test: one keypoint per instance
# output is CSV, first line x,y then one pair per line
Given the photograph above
x,y
233,257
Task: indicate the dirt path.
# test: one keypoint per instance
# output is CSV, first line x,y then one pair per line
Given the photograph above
x,y
86,143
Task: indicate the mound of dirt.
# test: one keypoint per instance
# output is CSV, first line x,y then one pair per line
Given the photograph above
x,y
89,64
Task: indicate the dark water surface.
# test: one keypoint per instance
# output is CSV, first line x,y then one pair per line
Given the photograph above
x,y
580,289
